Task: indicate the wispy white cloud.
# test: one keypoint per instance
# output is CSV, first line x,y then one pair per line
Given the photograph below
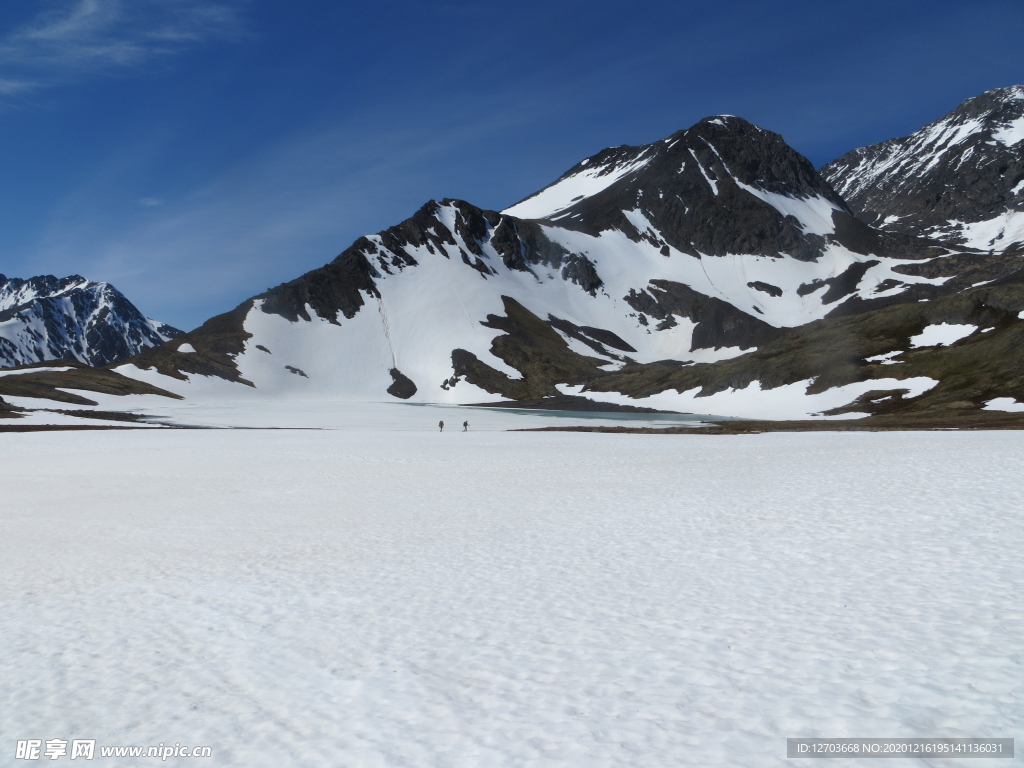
x,y
11,86
76,38
185,255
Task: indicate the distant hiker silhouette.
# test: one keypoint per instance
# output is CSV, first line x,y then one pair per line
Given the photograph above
x,y
440,425
465,426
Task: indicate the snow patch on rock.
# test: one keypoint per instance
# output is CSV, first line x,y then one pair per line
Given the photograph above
x,y
784,403
569,190
1006,404
942,335
1011,133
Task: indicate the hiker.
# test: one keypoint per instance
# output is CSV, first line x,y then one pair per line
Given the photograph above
x,y
465,426
440,425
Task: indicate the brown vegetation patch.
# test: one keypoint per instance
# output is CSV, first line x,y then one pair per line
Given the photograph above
x,y
50,385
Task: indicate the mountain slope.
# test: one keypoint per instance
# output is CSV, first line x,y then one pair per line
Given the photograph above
x,y
959,179
691,250
45,318
713,271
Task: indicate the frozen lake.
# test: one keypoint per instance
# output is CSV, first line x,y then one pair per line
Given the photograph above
x,y
384,595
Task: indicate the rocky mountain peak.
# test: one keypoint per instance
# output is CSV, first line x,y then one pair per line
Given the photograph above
x,y
996,109
14,291
723,186
959,179
50,318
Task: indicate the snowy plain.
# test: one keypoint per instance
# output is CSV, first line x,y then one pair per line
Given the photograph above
x,y
375,595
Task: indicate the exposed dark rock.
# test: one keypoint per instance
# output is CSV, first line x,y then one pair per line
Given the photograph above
x,y
839,286
531,346
607,338
870,402
477,264
522,244
887,285
332,289
771,290
581,271
595,338
470,225
468,366
217,342
402,386
534,348
719,324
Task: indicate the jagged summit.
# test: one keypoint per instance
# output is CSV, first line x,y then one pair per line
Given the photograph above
x,y
14,291
50,318
723,186
689,162
959,179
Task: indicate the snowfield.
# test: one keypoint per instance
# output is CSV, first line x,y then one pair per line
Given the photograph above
x,y
370,596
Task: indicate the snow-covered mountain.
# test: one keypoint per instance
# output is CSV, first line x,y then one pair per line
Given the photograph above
x,y
46,318
697,248
959,179
713,271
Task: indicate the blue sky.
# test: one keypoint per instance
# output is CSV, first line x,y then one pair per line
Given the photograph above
x,y
195,153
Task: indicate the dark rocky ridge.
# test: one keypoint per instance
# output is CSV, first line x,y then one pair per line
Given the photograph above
x,y
939,173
